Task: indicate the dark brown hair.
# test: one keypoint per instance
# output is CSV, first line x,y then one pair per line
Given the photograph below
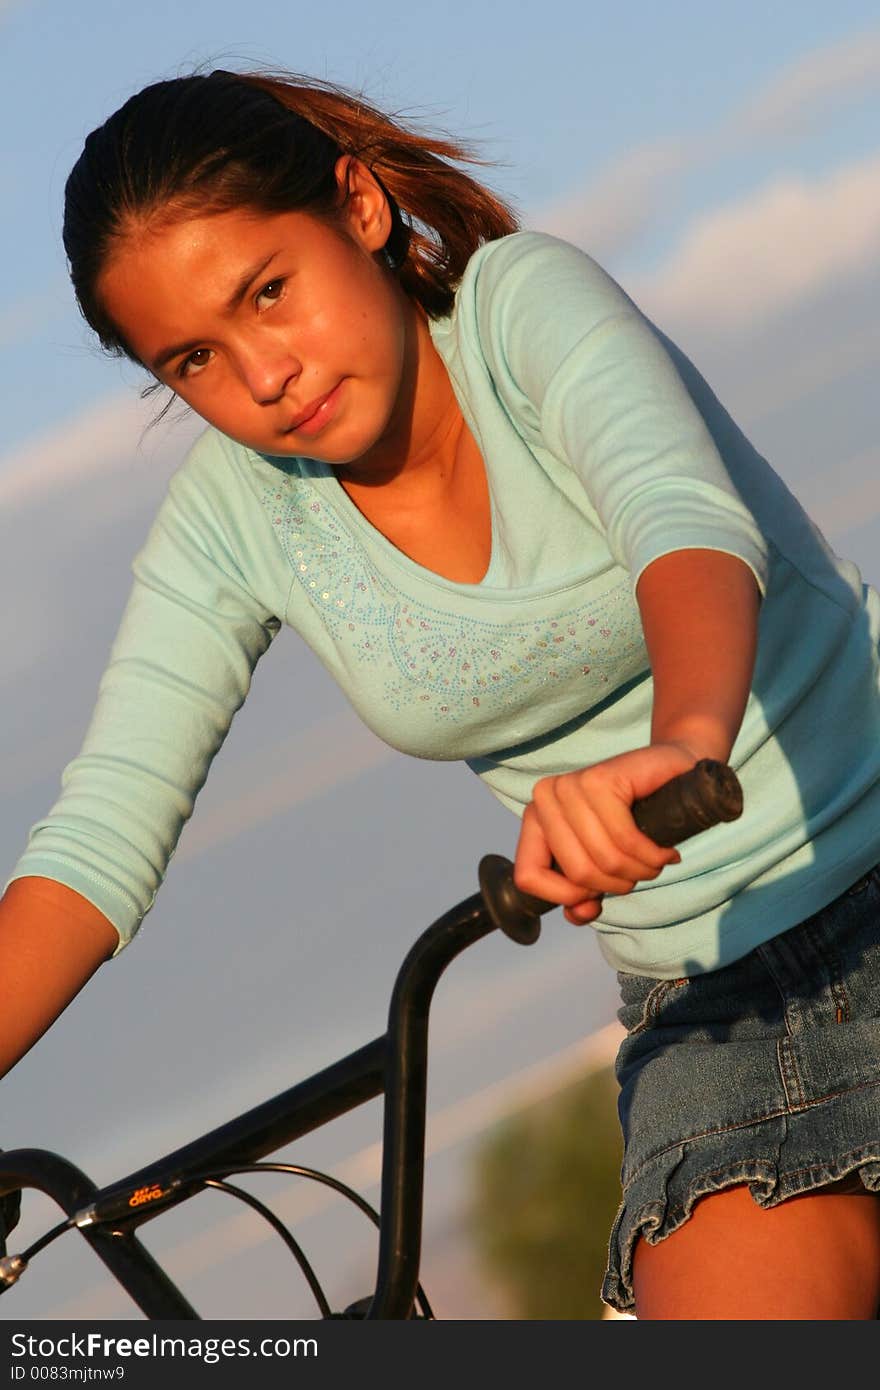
x,y
222,140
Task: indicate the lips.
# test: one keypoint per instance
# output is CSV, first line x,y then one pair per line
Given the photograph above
x,y
315,412
308,411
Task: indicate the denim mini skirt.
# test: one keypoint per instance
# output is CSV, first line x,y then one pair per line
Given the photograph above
x,y
766,1072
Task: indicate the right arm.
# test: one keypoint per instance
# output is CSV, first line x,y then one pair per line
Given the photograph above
x,y
51,942
180,667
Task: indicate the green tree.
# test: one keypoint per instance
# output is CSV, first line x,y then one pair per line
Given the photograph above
x,y
546,1190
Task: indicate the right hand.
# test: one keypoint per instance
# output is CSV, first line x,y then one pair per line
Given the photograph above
x,y
578,840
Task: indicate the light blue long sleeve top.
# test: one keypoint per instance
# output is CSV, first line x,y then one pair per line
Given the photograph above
x,y
604,449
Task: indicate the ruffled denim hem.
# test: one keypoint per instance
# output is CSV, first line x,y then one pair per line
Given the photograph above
x,y
765,1073
662,1195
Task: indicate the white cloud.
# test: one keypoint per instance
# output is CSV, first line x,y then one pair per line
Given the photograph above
x,y
750,260
801,93
91,443
609,213
808,364
612,211
68,499
850,498
327,754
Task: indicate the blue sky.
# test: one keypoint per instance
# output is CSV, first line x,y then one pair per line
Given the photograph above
x,y
724,163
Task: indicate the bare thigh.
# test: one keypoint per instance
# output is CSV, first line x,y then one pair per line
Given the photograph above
x,y
814,1257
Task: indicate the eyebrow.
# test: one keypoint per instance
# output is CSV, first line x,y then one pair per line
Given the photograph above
x,y
244,283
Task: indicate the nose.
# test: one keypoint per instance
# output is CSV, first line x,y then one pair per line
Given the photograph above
x,y
267,370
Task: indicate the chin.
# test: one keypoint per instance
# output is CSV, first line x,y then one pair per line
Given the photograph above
x,y
283,447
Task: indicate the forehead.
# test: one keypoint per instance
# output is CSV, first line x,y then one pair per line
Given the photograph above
x,y
173,236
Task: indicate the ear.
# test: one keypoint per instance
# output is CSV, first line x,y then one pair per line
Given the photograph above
x,y
363,204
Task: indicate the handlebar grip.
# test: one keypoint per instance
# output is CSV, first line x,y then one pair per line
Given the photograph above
x,y
706,795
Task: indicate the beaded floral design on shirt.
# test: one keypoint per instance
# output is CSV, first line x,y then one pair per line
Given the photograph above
x,y
456,667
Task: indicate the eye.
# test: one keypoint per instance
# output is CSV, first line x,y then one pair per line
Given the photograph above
x,y
270,293
195,362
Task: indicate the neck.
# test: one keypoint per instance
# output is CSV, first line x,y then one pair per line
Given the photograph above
x,y
423,428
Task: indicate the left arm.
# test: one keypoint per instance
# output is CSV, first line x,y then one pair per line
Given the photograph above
x,y
591,380
699,611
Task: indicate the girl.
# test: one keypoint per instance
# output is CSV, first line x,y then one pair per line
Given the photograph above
x,y
518,528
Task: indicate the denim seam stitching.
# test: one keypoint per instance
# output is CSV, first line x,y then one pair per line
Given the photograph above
x,y
745,1124
830,961
789,1074
764,955
651,1006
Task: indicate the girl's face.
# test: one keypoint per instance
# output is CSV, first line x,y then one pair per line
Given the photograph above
x,y
286,331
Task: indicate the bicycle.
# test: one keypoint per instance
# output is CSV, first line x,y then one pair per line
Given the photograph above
x,y
394,1064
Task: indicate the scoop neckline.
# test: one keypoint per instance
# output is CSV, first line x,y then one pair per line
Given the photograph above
x,y
399,557
334,495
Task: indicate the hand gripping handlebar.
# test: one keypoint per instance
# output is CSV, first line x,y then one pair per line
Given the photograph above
x,y
709,793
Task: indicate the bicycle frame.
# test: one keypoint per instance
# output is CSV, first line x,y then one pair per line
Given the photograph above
x,y
395,1064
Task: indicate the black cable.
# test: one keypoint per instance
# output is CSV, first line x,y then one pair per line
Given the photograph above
x,y
298,1170
45,1240
15,1265
278,1226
